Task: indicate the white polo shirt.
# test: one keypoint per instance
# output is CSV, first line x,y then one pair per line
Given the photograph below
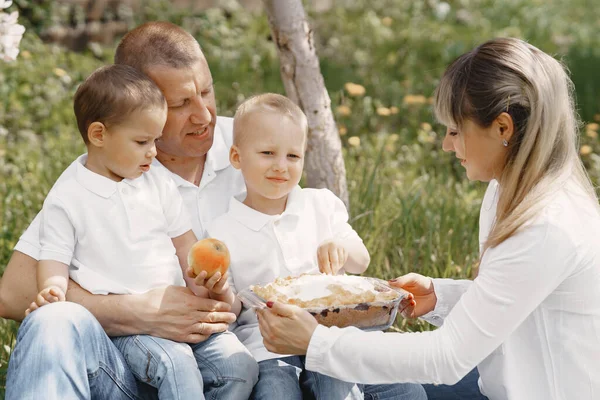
x,y
220,181
116,236
264,247
530,321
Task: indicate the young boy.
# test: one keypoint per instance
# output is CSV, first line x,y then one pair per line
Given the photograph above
x,y
118,225
277,229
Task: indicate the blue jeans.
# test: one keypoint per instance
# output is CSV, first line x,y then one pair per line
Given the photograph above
x,y
465,389
182,371
286,378
62,352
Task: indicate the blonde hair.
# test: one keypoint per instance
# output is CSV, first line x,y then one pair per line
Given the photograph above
x,y
269,102
510,75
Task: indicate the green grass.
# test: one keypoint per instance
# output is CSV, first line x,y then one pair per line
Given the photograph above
x,y
410,202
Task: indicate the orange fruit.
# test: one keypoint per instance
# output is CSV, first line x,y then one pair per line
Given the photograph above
x,y
210,255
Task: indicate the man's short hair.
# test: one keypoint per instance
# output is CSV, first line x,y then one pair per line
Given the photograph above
x,y
158,43
111,93
269,102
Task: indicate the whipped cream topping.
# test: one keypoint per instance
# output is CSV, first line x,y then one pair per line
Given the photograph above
x,y
308,287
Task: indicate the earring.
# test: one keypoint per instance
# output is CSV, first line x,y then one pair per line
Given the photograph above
x,y
504,143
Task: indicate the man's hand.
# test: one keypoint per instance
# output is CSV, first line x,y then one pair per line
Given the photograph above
x,y
180,315
47,295
423,299
331,256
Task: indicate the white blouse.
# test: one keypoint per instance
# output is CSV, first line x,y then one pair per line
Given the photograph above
x,y
530,321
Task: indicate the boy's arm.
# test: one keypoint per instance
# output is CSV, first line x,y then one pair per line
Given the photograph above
x,y
358,255
52,273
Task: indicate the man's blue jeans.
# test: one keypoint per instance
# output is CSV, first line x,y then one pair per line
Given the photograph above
x,y
62,352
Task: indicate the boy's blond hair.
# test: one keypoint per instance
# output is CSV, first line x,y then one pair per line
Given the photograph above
x,y
267,102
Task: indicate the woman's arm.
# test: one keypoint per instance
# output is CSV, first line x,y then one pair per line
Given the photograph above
x,y
514,279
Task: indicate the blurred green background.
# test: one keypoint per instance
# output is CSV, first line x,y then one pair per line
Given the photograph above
x,y
381,60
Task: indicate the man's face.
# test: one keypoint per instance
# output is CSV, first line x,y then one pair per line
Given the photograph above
x,y
192,114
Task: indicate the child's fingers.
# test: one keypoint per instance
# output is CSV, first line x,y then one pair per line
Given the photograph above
x,y
210,283
200,278
60,295
41,300
323,259
49,297
32,307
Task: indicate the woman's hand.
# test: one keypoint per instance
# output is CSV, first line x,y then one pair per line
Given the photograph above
x,y
286,329
423,294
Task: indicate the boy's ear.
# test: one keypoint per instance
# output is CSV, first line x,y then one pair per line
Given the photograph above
x,y
234,156
97,133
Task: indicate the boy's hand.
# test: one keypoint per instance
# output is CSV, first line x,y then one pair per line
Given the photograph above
x,y
216,284
331,256
48,295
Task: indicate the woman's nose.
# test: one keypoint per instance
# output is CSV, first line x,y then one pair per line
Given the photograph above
x,y
448,143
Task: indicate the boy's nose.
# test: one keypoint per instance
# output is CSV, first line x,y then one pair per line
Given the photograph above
x,y
152,152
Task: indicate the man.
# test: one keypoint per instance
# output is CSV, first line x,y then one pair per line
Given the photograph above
x,y
69,342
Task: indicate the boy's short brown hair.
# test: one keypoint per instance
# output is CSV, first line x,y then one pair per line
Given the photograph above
x,y
270,102
111,93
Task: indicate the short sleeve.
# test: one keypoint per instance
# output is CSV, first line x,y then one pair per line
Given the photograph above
x,y
29,242
57,232
338,216
178,221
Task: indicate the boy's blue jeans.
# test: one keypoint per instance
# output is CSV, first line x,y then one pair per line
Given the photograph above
x,y
62,352
286,378
182,371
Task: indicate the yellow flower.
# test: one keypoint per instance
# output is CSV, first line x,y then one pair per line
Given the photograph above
x,y
585,150
592,134
414,99
354,141
387,21
393,137
342,130
344,110
59,72
394,110
25,54
354,89
426,126
384,111
592,127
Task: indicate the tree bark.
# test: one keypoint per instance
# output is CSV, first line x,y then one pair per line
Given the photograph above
x,y
304,84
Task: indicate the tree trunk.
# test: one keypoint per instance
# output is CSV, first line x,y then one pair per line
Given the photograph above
x,y
304,84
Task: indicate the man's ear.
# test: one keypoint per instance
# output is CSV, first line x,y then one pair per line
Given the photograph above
x,y
505,126
234,157
97,134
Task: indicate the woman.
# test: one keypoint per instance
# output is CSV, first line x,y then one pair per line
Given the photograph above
x,y
530,321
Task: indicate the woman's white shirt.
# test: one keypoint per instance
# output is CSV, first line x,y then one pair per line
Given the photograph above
x,y
530,321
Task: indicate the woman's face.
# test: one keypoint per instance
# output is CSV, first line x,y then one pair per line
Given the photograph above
x,y
481,150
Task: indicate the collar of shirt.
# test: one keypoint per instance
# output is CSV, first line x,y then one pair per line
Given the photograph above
x,y
217,159
255,220
98,184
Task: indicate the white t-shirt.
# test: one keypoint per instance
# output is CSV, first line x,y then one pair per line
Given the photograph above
x,y
116,236
220,181
264,247
530,321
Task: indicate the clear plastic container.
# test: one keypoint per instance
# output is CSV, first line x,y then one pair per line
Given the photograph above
x,y
377,315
